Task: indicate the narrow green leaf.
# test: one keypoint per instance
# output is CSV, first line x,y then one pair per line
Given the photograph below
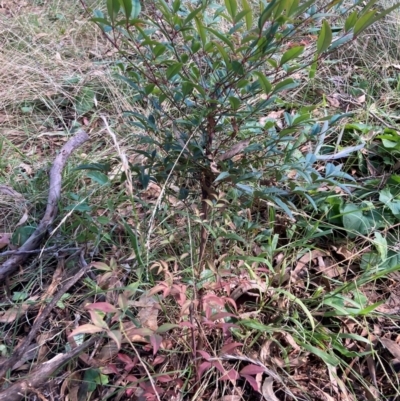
x,y
173,70
127,7
266,14
263,81
187,88
113,7
223,53
329,359
296,300
249,15
134,242
192,15
350,21
239,16
364,22
222,37
136,8
325,38
231,6
292,53
201,31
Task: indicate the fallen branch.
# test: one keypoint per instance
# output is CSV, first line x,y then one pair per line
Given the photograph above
x,y
20,351
12,264
41,374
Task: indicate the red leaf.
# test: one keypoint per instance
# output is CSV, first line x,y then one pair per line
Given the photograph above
x,y
186,324
125,358
102,306
132,378
252,370
231,375
155,341
158,359
203,367
221,315
164,378
219,366
230,347
253,382
204,354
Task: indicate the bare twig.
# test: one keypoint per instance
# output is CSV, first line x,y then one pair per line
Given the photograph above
x,y
40,319
41,374
55,248
12,264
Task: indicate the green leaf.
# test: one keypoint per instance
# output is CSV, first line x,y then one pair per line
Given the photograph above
x,y
166,327
222,176
201,31
292,53
91,378
350,21
255,325
113,7
249,15
264,82
327,358
222,37
173,70
84,101
192,15
223,53
231,6
134,242
267,12
364,22
235,102
239,16
381,245
127,7
325,38
187,88
286,84
98,177
234,236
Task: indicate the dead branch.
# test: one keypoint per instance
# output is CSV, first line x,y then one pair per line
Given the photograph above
x,y
41,374
20,351
12,264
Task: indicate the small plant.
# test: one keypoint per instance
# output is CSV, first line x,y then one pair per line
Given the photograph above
x,y
211,80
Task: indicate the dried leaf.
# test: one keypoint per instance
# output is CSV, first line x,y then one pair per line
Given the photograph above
x,y
148,311
5,239
86,329
233,151
267,390
304,262
13,313
392,346
333,101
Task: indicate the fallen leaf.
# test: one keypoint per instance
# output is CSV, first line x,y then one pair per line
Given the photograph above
x,y
333,101
303,263
267,390
392,346
13,313
148,311
5,239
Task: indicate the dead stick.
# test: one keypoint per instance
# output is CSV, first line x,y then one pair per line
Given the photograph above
x,y
41,374
17,354
12,264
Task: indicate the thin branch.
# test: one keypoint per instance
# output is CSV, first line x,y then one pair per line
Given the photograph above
x,y
12,264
